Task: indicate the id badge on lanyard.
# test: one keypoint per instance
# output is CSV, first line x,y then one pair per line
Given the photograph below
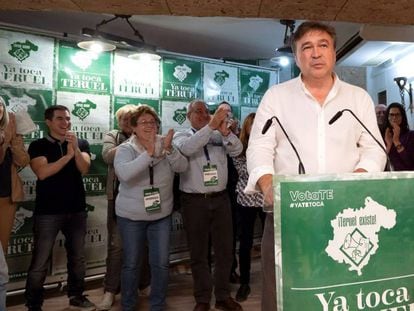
x,y
152,197
210,173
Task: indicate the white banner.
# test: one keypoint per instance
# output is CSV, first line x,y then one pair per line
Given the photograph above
x,y
26,60
89,114
220,84
133,78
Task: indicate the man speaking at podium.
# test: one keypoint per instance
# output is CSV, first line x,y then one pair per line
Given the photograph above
x,y
304,106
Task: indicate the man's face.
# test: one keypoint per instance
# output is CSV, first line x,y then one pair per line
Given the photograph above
x,y
59,124
380,113
198,115
315,55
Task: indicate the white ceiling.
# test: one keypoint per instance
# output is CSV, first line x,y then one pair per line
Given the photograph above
x,y
214,37
218,37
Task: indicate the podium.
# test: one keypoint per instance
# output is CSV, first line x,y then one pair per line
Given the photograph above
x,y
344,242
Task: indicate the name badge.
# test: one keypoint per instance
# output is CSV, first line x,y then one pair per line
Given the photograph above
x,y
210,175
152,200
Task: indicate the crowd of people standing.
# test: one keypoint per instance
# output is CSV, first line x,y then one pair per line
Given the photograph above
x,y
142,166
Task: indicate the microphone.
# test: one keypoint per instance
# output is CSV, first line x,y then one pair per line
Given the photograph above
x,y
339,114
301,168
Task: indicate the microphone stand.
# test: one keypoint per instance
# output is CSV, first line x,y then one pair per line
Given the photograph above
x,y
339,114
301,168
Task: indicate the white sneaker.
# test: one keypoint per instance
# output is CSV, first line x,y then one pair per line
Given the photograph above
x,y
145,292
107,301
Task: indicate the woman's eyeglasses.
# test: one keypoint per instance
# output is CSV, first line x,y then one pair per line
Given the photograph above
x,y
148,123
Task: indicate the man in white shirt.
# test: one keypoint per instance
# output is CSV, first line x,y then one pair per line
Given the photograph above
x,y
205,202
304,106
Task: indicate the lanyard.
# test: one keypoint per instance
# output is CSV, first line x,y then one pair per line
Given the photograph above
x,y
151,174
205,151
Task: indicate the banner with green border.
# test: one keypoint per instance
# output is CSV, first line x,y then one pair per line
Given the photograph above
x,y
345,242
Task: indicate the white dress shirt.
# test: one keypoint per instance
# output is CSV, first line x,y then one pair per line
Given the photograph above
x,y
338,148
191,144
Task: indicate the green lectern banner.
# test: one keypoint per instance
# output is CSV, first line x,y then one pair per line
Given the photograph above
x,y
345,242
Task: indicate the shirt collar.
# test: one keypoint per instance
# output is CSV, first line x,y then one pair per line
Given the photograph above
x,y
51,139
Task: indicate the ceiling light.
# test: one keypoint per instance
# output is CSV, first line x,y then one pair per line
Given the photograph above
x,y
287,40
145,56
102,41
96,46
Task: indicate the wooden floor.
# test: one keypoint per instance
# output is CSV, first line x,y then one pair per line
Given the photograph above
x,y
180,294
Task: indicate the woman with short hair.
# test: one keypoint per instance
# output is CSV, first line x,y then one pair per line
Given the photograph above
x,y
145,167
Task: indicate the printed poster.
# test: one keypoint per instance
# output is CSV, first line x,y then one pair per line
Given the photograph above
x,y
26,60
95,239
181,79
174,115
89,114
346,242
20,248
244,112
83,71
253,85
220,84
122,101
135,78
34,102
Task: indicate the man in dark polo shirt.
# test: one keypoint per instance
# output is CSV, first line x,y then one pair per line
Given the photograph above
x,y
59,160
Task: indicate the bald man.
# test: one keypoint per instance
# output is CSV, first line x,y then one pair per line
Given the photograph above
x,y
380,110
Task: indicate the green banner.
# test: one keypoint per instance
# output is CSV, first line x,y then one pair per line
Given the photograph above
x,y
253,85
346,242
83,71
181,79
19,251
95,180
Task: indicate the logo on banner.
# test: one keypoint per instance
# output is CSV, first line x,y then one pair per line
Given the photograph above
x,y
356,231
255,82
83,109
21,50
19,218
181,72
83,59
220,77
180,115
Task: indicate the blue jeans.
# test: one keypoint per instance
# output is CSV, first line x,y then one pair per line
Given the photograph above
x,y
45,230
134,235
4,278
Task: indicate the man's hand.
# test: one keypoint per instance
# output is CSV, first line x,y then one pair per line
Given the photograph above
x,y
72,140
265,184
218,118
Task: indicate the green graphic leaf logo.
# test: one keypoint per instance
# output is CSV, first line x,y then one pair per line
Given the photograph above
x,y
181,72
220,77
82,109
255,82
21,50
180,115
